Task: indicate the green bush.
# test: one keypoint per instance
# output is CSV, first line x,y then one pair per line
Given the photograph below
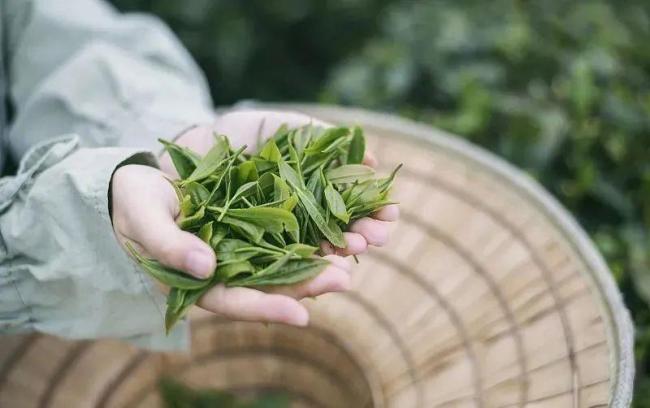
x,y
562,89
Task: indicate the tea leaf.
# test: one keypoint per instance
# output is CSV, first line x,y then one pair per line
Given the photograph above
x,y
314,185
302,250
269,218
388,182
244,229
190,298
168,276
336,204
281,190
242,191
191,221
290,203
247,171
301,138
205,232
357,146
293,272
349,173
175,299
197,192
183,159
232,250
211,161
219,233
328,137
315,211
229,271
271,152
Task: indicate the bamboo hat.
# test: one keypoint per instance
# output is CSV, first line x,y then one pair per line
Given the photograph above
x,y
489,295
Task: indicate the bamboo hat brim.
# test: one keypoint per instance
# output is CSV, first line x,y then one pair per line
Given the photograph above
x,y
489,295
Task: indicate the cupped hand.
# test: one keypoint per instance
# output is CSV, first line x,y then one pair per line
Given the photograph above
x,y
145,207
144,210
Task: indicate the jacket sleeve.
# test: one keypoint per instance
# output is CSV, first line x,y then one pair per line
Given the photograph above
x,y
92,90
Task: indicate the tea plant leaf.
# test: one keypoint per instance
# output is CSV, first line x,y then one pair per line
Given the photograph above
x,y
205,232
350,173
211,161
271,152
315,211
336,204
357,147
166,275
183,159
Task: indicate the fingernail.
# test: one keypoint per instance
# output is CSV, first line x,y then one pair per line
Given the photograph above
x,y
199,264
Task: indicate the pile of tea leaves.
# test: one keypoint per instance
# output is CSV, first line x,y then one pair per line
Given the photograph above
x,y
264,214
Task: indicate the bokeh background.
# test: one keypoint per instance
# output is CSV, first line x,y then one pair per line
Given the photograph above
x,y
559,88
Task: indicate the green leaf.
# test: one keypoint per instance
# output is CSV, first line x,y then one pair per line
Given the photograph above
x,y
243,191
191,221
314,185
362,210
262,165
301,138
219,233
302,250
290,203
245,229
387,183
271,219
247,171
315,211
350,173
175,299
232,250
266,184
336,204
187,207
197,192
271,152
328,137
211,161
281,190
166,275
295,159
357,146
229,271
205,232
292,272
184,160
190,298
290,175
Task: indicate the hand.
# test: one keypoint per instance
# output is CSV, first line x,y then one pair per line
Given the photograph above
x,y
137,188
144,209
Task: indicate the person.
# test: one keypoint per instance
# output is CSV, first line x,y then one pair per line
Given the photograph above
x,y
87,92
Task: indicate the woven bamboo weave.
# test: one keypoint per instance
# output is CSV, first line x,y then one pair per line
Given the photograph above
x,y
489,295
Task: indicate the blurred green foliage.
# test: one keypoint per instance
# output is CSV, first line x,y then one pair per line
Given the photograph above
x,y
178,395
561,89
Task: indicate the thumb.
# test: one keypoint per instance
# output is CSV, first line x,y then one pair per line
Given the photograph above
x,y
144,207
178,249
155,230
